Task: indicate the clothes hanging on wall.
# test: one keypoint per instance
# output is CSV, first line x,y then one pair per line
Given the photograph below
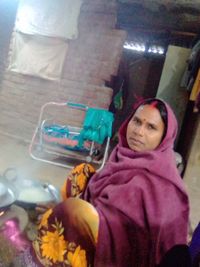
x,y
37,55
197,104
40,38
192,68
196,87
195,93
191,77
33,17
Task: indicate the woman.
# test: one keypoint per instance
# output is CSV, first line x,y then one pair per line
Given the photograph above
x,y
133,211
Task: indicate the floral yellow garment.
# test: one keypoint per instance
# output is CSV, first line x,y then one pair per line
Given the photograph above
x,y
77,180
59,243
52,249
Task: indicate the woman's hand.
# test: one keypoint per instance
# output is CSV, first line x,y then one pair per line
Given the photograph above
x,y
42,208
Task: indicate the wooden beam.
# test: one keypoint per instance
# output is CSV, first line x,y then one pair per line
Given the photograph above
x,y
159,31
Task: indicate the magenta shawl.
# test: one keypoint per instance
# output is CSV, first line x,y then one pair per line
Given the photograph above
x,y
142,203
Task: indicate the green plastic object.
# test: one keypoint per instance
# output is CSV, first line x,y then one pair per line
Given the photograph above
x,y
97,125
118,100
76,105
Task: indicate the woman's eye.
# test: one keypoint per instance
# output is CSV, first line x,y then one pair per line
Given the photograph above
x,y
136,121
151,127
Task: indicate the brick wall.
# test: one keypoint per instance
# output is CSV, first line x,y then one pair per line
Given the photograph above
x,y
91,60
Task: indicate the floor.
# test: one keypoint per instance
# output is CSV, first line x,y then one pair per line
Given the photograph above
x,y
14,154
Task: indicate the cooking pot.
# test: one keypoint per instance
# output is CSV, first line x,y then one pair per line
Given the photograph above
x,y
28,193
7,196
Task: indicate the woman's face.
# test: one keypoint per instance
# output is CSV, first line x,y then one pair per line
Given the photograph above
x,y
145,129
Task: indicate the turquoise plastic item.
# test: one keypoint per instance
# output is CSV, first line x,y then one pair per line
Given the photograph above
x,y
97,125
76,105
57,133
56,130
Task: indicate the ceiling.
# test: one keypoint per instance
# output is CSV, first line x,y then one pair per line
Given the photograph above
x,y
176,20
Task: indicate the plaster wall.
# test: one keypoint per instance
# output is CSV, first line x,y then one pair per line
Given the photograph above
x,y
192,177
169,87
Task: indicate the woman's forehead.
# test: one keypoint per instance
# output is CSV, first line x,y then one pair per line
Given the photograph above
x,y
148,113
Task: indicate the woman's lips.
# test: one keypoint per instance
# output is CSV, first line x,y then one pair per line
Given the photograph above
x,y
136,141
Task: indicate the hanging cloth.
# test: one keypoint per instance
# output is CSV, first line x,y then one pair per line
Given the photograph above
x,y
118,98
196,88
97,125
37,56
49,18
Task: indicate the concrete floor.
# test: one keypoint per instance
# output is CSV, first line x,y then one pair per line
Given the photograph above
x,y
14,153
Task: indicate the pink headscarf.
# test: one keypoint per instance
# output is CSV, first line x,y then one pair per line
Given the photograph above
x,y
141,201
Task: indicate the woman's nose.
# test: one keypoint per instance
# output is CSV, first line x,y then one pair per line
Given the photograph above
x,y
140,130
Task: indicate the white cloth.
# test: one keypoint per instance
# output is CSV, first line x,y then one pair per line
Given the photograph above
x,y
53,18
37,55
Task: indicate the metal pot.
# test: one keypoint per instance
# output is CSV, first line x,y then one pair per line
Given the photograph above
x,y
7,195
18,184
